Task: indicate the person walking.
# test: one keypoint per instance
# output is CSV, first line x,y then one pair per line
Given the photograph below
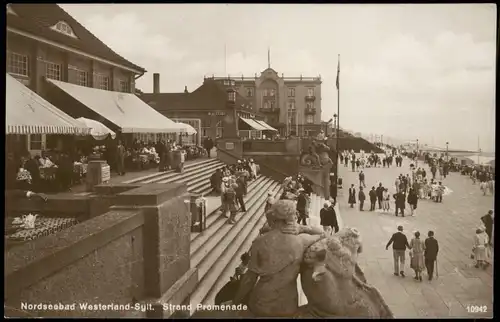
x,y
430,253
231,203
386,200
269,201
380,194
488,224
417,262
328,219
480,248
400,200
399,245
120,162
301,207
362,198
352,196
208,145
239,188
333,187
373,198
412,201
362,179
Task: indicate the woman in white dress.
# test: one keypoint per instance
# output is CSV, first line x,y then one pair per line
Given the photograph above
x,y
480,248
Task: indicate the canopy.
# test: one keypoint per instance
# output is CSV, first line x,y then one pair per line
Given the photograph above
x,y
98,130
125,110
28,113
266,126
188,128
253,124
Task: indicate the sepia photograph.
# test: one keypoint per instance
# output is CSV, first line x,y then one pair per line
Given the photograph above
x,y
250,161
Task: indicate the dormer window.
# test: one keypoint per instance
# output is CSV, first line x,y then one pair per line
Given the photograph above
x,y
10,11
64,28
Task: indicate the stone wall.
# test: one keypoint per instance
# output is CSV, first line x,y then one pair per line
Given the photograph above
x,y
137,253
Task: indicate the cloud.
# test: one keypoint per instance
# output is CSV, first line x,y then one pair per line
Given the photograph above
x,y
130,36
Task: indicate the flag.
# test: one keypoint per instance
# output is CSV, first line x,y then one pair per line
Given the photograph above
x,y
338,75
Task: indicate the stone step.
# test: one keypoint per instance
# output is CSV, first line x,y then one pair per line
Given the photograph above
x,y
169,173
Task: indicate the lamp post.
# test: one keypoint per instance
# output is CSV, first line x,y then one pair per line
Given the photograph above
x,y
447,151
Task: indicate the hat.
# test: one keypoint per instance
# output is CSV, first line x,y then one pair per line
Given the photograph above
x,y
239,161
251,160
269,193
300,189
225,179
326,204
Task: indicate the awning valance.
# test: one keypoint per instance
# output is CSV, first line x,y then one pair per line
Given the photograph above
x,y
254,125
125,110
98,130
29,113
187,128
266,126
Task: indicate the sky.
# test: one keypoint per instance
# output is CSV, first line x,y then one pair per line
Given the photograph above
x,y
407,71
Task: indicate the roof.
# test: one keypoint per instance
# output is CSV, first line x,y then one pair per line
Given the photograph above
x,y
37,19
28,113
125,110
211,95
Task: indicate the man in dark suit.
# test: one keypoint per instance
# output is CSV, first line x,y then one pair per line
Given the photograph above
x,y
400,200
430,253
380,194
488,224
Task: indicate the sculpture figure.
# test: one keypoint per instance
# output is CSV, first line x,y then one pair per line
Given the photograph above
x,y
317,155
334,284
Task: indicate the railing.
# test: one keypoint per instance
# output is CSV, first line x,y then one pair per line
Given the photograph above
x,y
310,98
310,110
246,78
269,110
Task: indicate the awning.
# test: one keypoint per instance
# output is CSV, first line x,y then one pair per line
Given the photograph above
x,y
188,128
125,110
267,126
98,130
28,113
254,125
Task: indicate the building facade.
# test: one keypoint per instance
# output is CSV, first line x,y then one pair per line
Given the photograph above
x,y
206,106
45,42
290,104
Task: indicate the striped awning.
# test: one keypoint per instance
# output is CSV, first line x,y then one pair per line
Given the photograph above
x,y
266,126
125,110
254,125
28,113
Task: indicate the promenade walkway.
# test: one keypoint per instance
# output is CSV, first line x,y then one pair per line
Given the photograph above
x,y
460,288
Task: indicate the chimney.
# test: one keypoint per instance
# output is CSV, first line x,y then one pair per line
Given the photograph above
x,y
186,89
156,83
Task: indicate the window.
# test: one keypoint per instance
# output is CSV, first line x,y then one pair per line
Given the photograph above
x,y
291,105
264,92
205,131
273,92
310,105
220,129
82,78
309,119
249,92
64,28
251,105
102,82
124,86
271,105
310,92
291,92
266,105
17,64
53,71
35,142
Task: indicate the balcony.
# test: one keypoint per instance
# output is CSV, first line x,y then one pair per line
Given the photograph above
x,y
310,98
310,110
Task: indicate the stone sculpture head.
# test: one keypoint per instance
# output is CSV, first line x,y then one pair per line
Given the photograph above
x,y
283,216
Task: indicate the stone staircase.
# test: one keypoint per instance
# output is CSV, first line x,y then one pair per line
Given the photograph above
x,y
196,176
216,251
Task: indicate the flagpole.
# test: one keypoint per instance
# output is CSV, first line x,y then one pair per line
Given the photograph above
x,y
337,145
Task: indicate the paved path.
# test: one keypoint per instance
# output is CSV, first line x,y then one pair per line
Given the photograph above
x,y
460,286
